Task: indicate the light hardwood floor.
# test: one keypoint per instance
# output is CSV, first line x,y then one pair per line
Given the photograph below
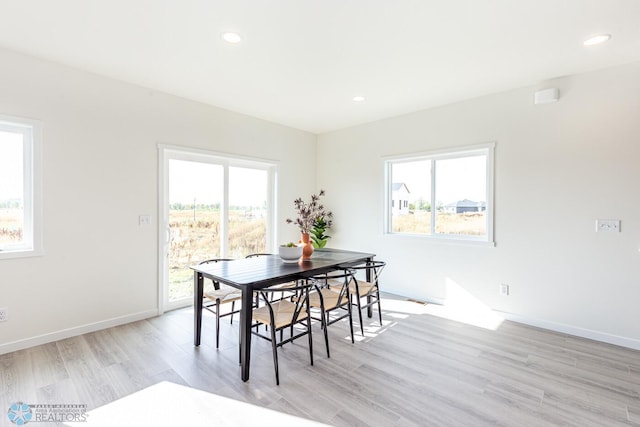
x,y
417,370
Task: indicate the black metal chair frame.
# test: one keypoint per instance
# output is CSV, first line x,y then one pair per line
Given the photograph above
x,y
209,304
284,287
344,277
373,269
301,305
257,255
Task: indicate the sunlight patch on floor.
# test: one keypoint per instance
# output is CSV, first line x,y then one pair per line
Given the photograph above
x,y
462,306
402,308
397,315
169,404
370,331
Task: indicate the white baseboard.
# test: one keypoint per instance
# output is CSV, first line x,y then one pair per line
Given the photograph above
x,y
117,321
75,331
556,327
574,330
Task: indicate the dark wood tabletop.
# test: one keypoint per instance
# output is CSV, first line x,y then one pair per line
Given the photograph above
x,y
264,271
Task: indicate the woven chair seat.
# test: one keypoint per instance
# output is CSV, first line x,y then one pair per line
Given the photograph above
x,y
283,312
330,298
335,285
363,287
224,294
285,285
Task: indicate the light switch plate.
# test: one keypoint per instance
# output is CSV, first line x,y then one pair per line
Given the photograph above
x,y
610,225
144,220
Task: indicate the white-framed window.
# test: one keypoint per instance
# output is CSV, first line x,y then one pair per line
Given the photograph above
x,y
446,194
20,196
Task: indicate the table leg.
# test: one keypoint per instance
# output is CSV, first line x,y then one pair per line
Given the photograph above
x,y
198,294
369,309
245,331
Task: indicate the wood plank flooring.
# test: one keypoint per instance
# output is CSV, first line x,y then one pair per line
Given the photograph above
x,y
416,370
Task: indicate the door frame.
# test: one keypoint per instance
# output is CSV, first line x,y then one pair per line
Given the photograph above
x,y
173,152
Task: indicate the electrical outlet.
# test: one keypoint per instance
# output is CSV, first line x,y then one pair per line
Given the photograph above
x,y
610,225
4,314
504,289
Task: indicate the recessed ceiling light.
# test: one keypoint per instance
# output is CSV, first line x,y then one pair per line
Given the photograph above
x,y
358,98
230,37
597,39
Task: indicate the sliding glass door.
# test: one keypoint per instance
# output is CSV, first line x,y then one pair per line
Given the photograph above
x,y
248,197
195,199
212,207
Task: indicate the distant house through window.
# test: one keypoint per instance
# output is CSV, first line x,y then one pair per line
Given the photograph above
x,y
400,198
466,205
445,194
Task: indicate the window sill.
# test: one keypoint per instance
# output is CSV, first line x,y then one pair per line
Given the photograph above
x,y
16,253
452,240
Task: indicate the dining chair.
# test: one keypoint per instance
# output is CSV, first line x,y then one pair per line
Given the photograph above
x,y
281,315
331,293
284,287
221,294
257,255
366,288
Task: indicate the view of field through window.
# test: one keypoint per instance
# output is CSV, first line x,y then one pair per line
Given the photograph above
x,y
11,222
458,204
11,188
196,194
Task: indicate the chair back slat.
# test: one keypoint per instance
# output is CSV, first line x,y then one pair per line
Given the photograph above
x,y
257,255
216,284
374,268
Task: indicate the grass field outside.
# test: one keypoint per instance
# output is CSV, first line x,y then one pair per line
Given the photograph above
x,y
11,225
195,237
461,224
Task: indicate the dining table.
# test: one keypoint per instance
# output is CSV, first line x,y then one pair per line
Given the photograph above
x,y
251,274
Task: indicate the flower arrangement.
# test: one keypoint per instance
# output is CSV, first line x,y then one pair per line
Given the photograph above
x,y
309,212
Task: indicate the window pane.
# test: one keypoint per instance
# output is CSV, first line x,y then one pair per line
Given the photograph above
x,y
461,196
411,197
12,220
247,211
195,195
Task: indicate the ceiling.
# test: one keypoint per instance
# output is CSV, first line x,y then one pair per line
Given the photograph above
x,y
302,61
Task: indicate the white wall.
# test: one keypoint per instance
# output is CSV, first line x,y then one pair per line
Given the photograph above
x,y
100,172
558,168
